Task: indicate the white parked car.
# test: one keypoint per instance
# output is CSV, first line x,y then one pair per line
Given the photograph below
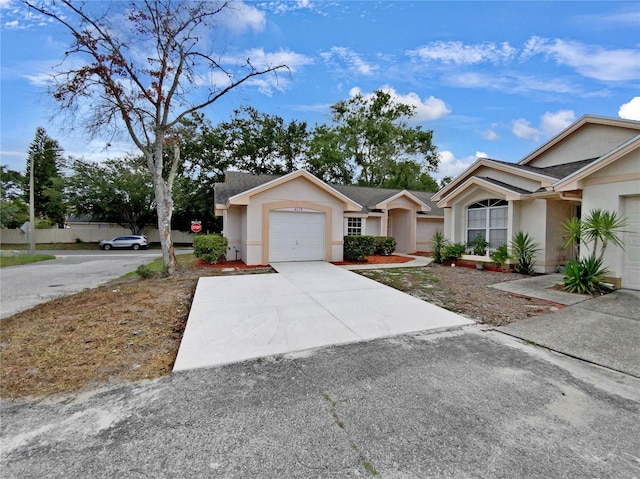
x,y
133,242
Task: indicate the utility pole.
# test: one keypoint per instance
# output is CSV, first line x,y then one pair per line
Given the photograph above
x,y
32,208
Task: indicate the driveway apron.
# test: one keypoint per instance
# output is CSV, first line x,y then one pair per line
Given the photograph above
x,y
305,305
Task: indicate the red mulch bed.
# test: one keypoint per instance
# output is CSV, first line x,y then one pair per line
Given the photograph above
x,y
239,265
229,264
376,259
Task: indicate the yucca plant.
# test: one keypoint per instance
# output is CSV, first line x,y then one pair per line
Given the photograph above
x,y
602,227
439,242
585,276
524,250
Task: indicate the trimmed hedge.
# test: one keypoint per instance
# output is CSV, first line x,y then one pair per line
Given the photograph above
x,y
358,247
210,248
385,245
453,251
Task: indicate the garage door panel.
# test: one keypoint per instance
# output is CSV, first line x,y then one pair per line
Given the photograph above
x,y
296,236
631,266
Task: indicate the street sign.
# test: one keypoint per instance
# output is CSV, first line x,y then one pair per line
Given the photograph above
x,y
196,226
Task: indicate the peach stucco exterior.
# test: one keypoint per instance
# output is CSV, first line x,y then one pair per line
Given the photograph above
x,y
247,217
593,164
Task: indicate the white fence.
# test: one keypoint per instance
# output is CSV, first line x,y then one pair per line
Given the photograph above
x,y
85,235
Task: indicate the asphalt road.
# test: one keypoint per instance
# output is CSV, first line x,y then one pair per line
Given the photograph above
x,y
22,287
460,404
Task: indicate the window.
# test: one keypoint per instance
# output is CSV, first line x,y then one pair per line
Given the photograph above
x,y
488,218
354,226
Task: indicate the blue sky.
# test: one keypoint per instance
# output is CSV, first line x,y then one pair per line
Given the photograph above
x,y
492,79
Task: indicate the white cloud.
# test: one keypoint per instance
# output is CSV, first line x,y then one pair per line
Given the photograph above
x,y
490,133
355,64
240,17
592,61
452,166
460,54
523,129
430,108
481,154
550,124
631,110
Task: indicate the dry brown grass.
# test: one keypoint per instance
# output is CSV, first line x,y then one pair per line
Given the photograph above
x,y
124,331
131,329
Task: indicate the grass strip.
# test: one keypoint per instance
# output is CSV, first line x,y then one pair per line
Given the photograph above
x,y
23,259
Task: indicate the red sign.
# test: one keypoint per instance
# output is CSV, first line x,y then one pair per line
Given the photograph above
x,y
196,227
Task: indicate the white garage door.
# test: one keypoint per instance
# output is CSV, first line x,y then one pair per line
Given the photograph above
x,y
296,236
631,268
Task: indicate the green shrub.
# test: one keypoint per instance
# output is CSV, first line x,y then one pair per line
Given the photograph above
x,y
585,276
144,271
44,224
524,251
479,245
439,242
385,245
453,251
358,247
210,248
501,255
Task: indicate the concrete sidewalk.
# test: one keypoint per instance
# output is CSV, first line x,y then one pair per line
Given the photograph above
x,y
604,330
306,305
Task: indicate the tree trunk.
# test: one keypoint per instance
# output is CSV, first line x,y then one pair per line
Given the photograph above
x,y
164,208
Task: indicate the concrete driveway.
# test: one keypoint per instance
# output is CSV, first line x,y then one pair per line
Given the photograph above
x,y
306,305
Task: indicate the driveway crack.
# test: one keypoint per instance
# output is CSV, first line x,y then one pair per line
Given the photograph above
x,y
366,463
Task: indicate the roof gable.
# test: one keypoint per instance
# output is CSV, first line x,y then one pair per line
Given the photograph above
x,y
573,181
574,128
243,198
529,172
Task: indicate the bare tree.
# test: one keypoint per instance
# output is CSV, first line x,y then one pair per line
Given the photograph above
x,y
142,69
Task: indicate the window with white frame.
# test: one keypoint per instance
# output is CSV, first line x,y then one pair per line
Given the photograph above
x,y
488,218
354,226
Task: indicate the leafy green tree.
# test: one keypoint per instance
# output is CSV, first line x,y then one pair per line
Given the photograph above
x,y
48,182
409,175
324,157
260,143
118,191
376,140
13,210
146,95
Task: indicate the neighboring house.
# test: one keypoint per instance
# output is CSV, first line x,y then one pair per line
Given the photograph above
x,y
594,163
298,217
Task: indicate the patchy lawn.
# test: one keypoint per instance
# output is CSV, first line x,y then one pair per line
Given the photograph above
x,y
131,329
20,259
127,330
464,291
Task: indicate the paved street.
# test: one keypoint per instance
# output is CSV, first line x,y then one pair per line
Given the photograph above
x,y
463,403
22,287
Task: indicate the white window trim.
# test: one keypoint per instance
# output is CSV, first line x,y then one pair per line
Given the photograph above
x,y
487,227
363,224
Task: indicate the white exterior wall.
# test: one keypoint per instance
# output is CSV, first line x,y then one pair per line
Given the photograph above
x,y
232,224
590,141
86,235
425,229
373,226
296,190
609,197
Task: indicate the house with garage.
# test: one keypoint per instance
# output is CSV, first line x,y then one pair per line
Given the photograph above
x,y
298,217
592,164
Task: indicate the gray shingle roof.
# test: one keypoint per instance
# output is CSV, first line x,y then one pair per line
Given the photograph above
x,y
555,171
237,182
508,186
